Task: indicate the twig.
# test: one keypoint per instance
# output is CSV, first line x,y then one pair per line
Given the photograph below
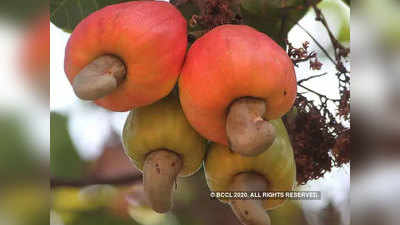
x,y
339,50
317,43
298,55
308,57
56,182
311,77
318,94
321,17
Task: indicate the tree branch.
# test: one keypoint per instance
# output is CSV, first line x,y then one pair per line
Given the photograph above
x,y
311,77
318,94
339,50
317,43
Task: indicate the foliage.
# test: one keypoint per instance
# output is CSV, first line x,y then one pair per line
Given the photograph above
x,y
65,161
66,14
15,155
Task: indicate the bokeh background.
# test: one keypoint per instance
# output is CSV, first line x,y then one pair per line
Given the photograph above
x,y
24,112
375,42
45,131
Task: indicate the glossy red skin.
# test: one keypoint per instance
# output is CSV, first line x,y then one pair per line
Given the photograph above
x,y
149,36
230,62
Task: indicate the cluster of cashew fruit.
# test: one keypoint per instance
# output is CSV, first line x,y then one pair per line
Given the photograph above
x,y
234,85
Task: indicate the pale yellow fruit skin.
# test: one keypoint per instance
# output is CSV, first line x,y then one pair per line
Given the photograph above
x,y
276,164
163,125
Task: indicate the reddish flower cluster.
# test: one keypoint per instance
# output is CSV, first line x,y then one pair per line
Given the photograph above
x,y
214,13
341,149
311,140
301,55
344,105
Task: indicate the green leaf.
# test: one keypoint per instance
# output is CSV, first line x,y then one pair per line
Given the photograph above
x,y
65,161
271,18
66,14
344,32
338,16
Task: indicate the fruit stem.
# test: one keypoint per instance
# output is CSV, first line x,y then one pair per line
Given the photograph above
x,y
160,171
248,133
249,212
99,78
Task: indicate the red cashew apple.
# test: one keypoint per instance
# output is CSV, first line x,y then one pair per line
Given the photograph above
x,y
127,55
233,81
